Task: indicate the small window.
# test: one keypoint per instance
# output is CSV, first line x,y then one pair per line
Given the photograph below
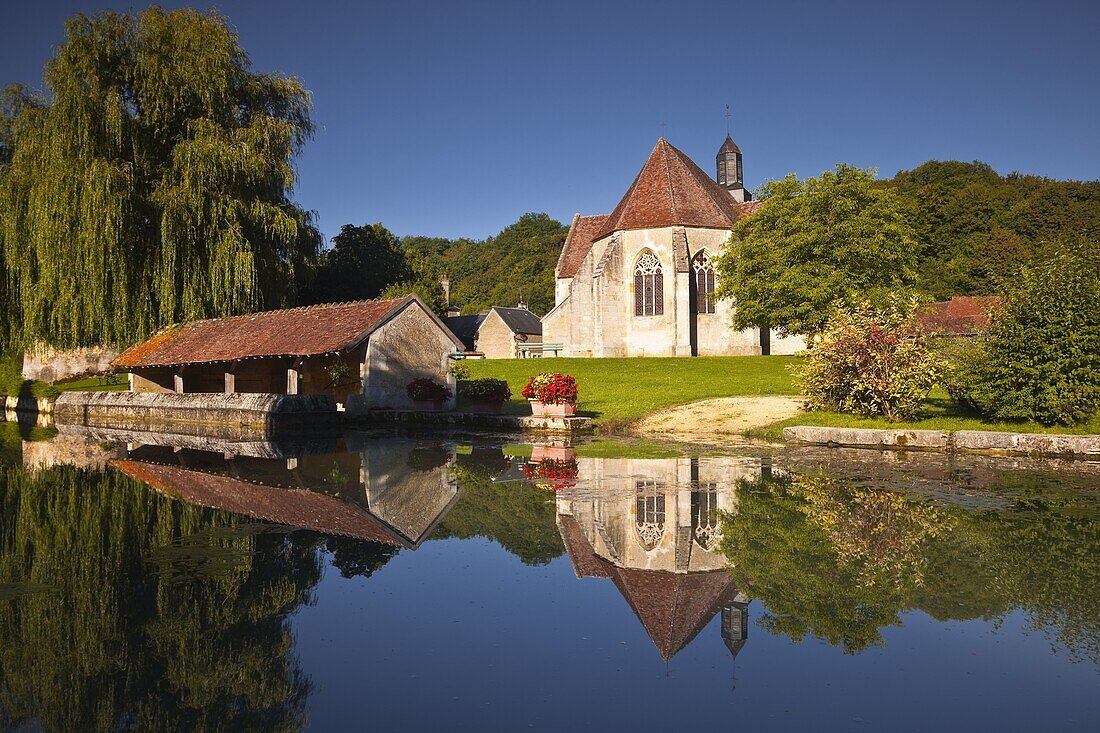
x,y
703,271
649,286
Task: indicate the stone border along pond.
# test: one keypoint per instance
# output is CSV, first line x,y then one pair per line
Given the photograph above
x,y
959,441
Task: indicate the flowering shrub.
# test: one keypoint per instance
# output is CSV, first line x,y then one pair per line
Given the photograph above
x,y
485,390
552,389
552,473
427,390
870,362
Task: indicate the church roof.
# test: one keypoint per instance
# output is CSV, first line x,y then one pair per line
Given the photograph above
x,y
729,146
672,191
748,208
578,243
673,607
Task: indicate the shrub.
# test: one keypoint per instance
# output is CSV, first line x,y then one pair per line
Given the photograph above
x,y
872,362
427,390
552,388
1041,358
485,390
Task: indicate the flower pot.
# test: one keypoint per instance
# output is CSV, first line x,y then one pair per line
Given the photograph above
x,y
553,453
561,409
538,409
428,405
482,407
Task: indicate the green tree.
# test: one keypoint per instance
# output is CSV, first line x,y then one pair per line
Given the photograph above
x,y
814,244
423,280
1041,358
154,185
514,265
363,261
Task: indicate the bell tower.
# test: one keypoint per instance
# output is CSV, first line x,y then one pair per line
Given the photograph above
x,y
730,175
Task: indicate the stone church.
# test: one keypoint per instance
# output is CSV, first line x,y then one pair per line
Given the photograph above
x,y
640,280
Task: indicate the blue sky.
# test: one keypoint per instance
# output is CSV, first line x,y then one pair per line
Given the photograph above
x,y
452,119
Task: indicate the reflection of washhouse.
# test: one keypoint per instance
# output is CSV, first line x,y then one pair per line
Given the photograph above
x,y
651,527
393,492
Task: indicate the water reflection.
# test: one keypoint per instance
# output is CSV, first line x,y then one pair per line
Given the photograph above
x,y
151,582
651,526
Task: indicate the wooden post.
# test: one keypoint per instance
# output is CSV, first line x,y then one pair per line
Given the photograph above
x,y
178,380
231,379
292,380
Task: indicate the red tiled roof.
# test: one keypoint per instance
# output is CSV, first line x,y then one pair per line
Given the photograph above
x,y
674,607
963,315
672,191
748,208
586,563
293,507
578,243
315,329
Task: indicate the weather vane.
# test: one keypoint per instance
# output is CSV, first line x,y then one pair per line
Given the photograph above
x,y
727,119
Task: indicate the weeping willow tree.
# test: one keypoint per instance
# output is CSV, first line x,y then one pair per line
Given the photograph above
x,y
150,185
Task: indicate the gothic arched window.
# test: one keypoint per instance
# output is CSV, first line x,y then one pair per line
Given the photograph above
x,y
649,286
649,518
704,516
703,271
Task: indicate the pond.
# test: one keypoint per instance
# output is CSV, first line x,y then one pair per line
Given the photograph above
x,y
396,583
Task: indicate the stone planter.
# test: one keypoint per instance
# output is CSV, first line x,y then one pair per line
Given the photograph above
x,y
486,408
561,409
428,405
553,453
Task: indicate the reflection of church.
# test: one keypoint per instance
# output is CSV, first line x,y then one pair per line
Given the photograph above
x,y
651,527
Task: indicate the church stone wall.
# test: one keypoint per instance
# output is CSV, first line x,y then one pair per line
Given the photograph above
x,y
596,315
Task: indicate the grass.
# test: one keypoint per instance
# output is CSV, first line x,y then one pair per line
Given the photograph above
x,y
937,413
620,391
12,382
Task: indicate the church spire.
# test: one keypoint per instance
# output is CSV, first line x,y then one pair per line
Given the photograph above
x,y
729,174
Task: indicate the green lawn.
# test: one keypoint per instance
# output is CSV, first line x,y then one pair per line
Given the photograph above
x,y
937,413
619,391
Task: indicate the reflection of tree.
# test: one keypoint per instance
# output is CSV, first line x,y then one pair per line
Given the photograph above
x,y
160,616
354,557
517,515
840,563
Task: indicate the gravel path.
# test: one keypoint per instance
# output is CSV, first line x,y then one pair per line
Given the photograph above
x,y
716,422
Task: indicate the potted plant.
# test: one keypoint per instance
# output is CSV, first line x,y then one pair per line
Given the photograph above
x,y
427,394
486,396
552,395
551,473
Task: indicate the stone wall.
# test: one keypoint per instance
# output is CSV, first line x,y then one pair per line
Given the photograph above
x,y
51,365
409,346
146,409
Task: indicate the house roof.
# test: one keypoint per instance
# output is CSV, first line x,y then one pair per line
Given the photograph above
x,y
578,243
520,320
308,331
963,315
748,208
671,190
465,328
299,508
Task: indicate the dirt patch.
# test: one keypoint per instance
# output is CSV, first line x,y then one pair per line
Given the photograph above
x,y
717,422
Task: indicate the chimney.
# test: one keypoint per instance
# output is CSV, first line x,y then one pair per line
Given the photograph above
x,y
446,283
522,304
